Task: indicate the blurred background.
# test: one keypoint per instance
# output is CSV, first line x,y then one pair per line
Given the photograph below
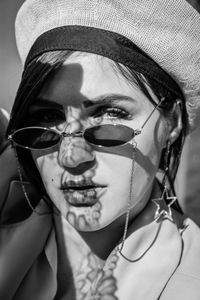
x,y
10,67
188,180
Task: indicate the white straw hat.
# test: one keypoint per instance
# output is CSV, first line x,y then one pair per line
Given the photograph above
x,y
167,30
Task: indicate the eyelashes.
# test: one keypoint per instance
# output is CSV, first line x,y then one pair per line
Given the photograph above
x,y
111,113
54,117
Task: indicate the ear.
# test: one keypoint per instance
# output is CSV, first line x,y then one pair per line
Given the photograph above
x,y
176,124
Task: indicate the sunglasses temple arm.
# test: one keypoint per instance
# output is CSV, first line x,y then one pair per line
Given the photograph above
x,y
152,112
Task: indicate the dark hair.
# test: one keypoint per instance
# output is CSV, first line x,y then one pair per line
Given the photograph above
x,y
41,68
33,79
166,108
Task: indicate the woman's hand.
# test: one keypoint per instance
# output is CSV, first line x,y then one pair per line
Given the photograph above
x,y
4,119
13,204
8,168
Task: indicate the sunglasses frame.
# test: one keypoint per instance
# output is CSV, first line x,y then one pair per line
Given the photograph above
x,y
81,133
75,134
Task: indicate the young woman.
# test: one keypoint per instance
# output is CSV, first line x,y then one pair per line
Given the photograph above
x,y
96,131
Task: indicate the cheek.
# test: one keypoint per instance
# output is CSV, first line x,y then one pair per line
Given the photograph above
x,y
52,174
116,172
150,145
149,148
48,168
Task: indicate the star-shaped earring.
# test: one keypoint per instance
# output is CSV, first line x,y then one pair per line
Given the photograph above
x,y
164,204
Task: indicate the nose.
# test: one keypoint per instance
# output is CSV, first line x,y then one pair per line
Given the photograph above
x,y
74,150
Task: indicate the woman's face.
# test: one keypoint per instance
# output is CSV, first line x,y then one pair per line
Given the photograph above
x,y
89,185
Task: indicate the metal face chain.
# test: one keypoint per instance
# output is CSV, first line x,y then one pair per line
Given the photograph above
x,y
120,248
134,144
23,186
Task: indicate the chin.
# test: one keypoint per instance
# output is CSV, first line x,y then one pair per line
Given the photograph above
x,y
83,226
85,218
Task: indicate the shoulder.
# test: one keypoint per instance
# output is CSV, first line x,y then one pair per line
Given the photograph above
x,y
185,281
190,262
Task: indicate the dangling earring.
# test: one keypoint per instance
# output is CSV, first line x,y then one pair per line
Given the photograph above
x,y
165,201
163,210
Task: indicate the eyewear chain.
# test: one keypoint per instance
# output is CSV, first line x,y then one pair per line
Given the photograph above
x,y
23,186
134,144
120,248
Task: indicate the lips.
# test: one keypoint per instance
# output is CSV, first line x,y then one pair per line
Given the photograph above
x,y
82,193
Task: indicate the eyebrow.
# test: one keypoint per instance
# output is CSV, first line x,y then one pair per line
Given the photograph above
x,y
41,102
107,99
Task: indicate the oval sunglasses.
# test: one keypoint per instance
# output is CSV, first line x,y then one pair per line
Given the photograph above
x,y
106,135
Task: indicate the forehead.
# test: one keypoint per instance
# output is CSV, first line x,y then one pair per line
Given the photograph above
x,y
86,76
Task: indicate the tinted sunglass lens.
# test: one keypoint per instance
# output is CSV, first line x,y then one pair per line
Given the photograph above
x,y
109,135
36,138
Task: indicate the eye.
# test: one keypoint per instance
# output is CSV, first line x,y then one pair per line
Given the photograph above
x,y
112,112
48,117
